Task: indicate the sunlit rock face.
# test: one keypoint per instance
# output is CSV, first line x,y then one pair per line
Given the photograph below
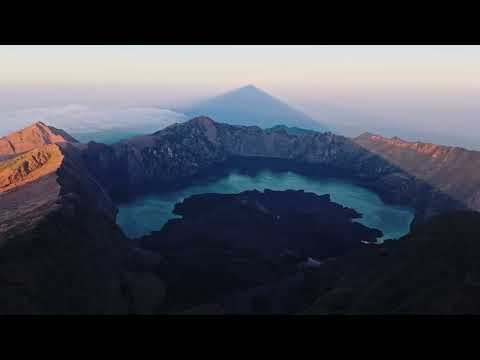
x,y
446,169
32,137
29,166
60,249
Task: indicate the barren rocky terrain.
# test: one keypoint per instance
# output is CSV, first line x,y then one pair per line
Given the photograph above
x,y
62,252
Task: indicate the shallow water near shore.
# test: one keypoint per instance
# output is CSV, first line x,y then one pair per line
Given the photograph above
x,y
150,212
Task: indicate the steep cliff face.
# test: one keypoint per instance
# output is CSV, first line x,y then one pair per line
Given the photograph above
x,y
29,189
60,249
451,170
184,150
39,181
164,158
29,166
433,270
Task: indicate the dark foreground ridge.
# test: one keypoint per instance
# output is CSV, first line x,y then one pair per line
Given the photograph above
x,y
433,270
61,251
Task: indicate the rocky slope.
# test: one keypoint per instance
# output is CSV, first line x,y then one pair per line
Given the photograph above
x,y
164,158
451,170
29,166
60,249
29,189
181,151
433,270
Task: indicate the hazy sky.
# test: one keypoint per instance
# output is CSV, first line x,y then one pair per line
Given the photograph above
x,y
424,88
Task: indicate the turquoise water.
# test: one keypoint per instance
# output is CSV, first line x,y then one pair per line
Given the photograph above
x,y
150,213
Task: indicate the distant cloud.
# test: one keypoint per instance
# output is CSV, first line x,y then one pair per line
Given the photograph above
x,y
84,120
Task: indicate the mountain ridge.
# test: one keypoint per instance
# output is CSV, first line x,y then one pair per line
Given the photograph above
x,y
448,168
61,251
31,137
202,139
181,151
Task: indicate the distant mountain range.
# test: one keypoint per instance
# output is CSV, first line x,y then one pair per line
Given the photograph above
x,y
249,105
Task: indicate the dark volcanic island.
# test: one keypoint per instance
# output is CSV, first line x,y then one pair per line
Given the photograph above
x,y
232,242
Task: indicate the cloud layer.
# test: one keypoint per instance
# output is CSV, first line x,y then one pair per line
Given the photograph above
x,y
90,122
